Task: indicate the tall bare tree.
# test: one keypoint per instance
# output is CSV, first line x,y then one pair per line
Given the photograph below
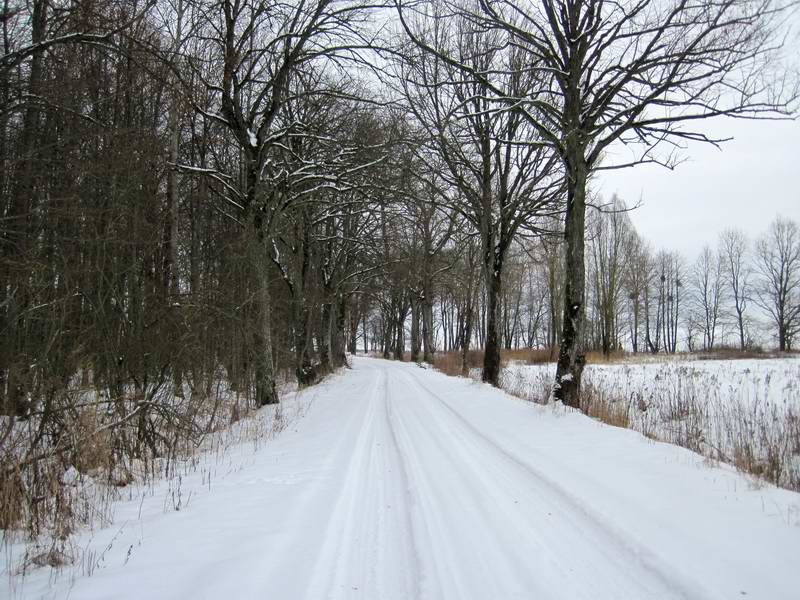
x,y
708,293
501,176
733,248
639,72
258,55
778,290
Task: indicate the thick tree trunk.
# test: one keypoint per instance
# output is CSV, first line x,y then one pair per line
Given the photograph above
x,y
427,328
388,334
400,339
324,340
352,340
304,369
338,320
570,357
491,355
261,334
415,333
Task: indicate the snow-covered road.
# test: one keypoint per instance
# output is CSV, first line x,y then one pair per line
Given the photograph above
x,y
403,483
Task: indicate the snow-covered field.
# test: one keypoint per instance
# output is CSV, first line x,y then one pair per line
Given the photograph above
x,y
745,412
401,482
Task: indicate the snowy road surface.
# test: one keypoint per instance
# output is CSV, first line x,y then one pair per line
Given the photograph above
x,y
403,483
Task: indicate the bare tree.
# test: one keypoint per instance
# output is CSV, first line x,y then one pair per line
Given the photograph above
x,y
734,256
259,54
502,177
637,72
778,289
609,240
636,283
707,282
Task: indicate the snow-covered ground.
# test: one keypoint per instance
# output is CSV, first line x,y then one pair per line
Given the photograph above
x,y
742,411
719,382
400,482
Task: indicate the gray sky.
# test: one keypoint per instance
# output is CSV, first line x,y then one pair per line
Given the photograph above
x,y
745,184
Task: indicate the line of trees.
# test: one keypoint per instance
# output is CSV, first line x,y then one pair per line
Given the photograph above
x,y
194,190
742,294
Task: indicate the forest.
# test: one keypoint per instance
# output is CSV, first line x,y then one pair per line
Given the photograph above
x,y
204,201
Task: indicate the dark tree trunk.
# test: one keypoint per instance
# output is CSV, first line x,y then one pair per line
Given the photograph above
x,y
261,334
338,320
352,340
324,339
415,333
427,328
388,334
570,357
366,346
400,339
467,334
491,355
304,369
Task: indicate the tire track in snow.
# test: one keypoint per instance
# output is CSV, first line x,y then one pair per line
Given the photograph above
x,y
470,554
582,522
368,539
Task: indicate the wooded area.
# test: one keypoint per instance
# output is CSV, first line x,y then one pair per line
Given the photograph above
x,y
238,192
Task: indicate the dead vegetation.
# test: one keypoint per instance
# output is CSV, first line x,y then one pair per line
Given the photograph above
x,y
62,468
729,419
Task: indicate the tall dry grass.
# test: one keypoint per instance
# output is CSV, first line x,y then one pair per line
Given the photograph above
x,y
736,421
62,473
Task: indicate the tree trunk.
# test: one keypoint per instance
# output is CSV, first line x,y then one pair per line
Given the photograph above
x,y
324,339
388,333
491,355
338,320
366,346
570,357
304,369
740,322
400,339
261,333
427,328
415,333
467,335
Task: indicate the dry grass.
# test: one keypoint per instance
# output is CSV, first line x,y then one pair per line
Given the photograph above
x,y
736,420
604,407
44,501
758,435
450,363
62,468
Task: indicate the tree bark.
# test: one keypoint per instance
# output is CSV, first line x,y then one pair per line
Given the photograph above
x,y
415,330
491,355
570,357
338,320
261,333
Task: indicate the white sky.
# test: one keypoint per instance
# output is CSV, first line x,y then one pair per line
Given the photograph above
x,y
745,184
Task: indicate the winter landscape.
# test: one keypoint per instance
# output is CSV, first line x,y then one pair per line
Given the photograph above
x,y
424,299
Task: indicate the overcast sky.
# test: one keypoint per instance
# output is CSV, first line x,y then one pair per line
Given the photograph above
x,y
744,184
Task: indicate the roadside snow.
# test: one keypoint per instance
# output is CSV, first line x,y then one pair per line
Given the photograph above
x,y
401,482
